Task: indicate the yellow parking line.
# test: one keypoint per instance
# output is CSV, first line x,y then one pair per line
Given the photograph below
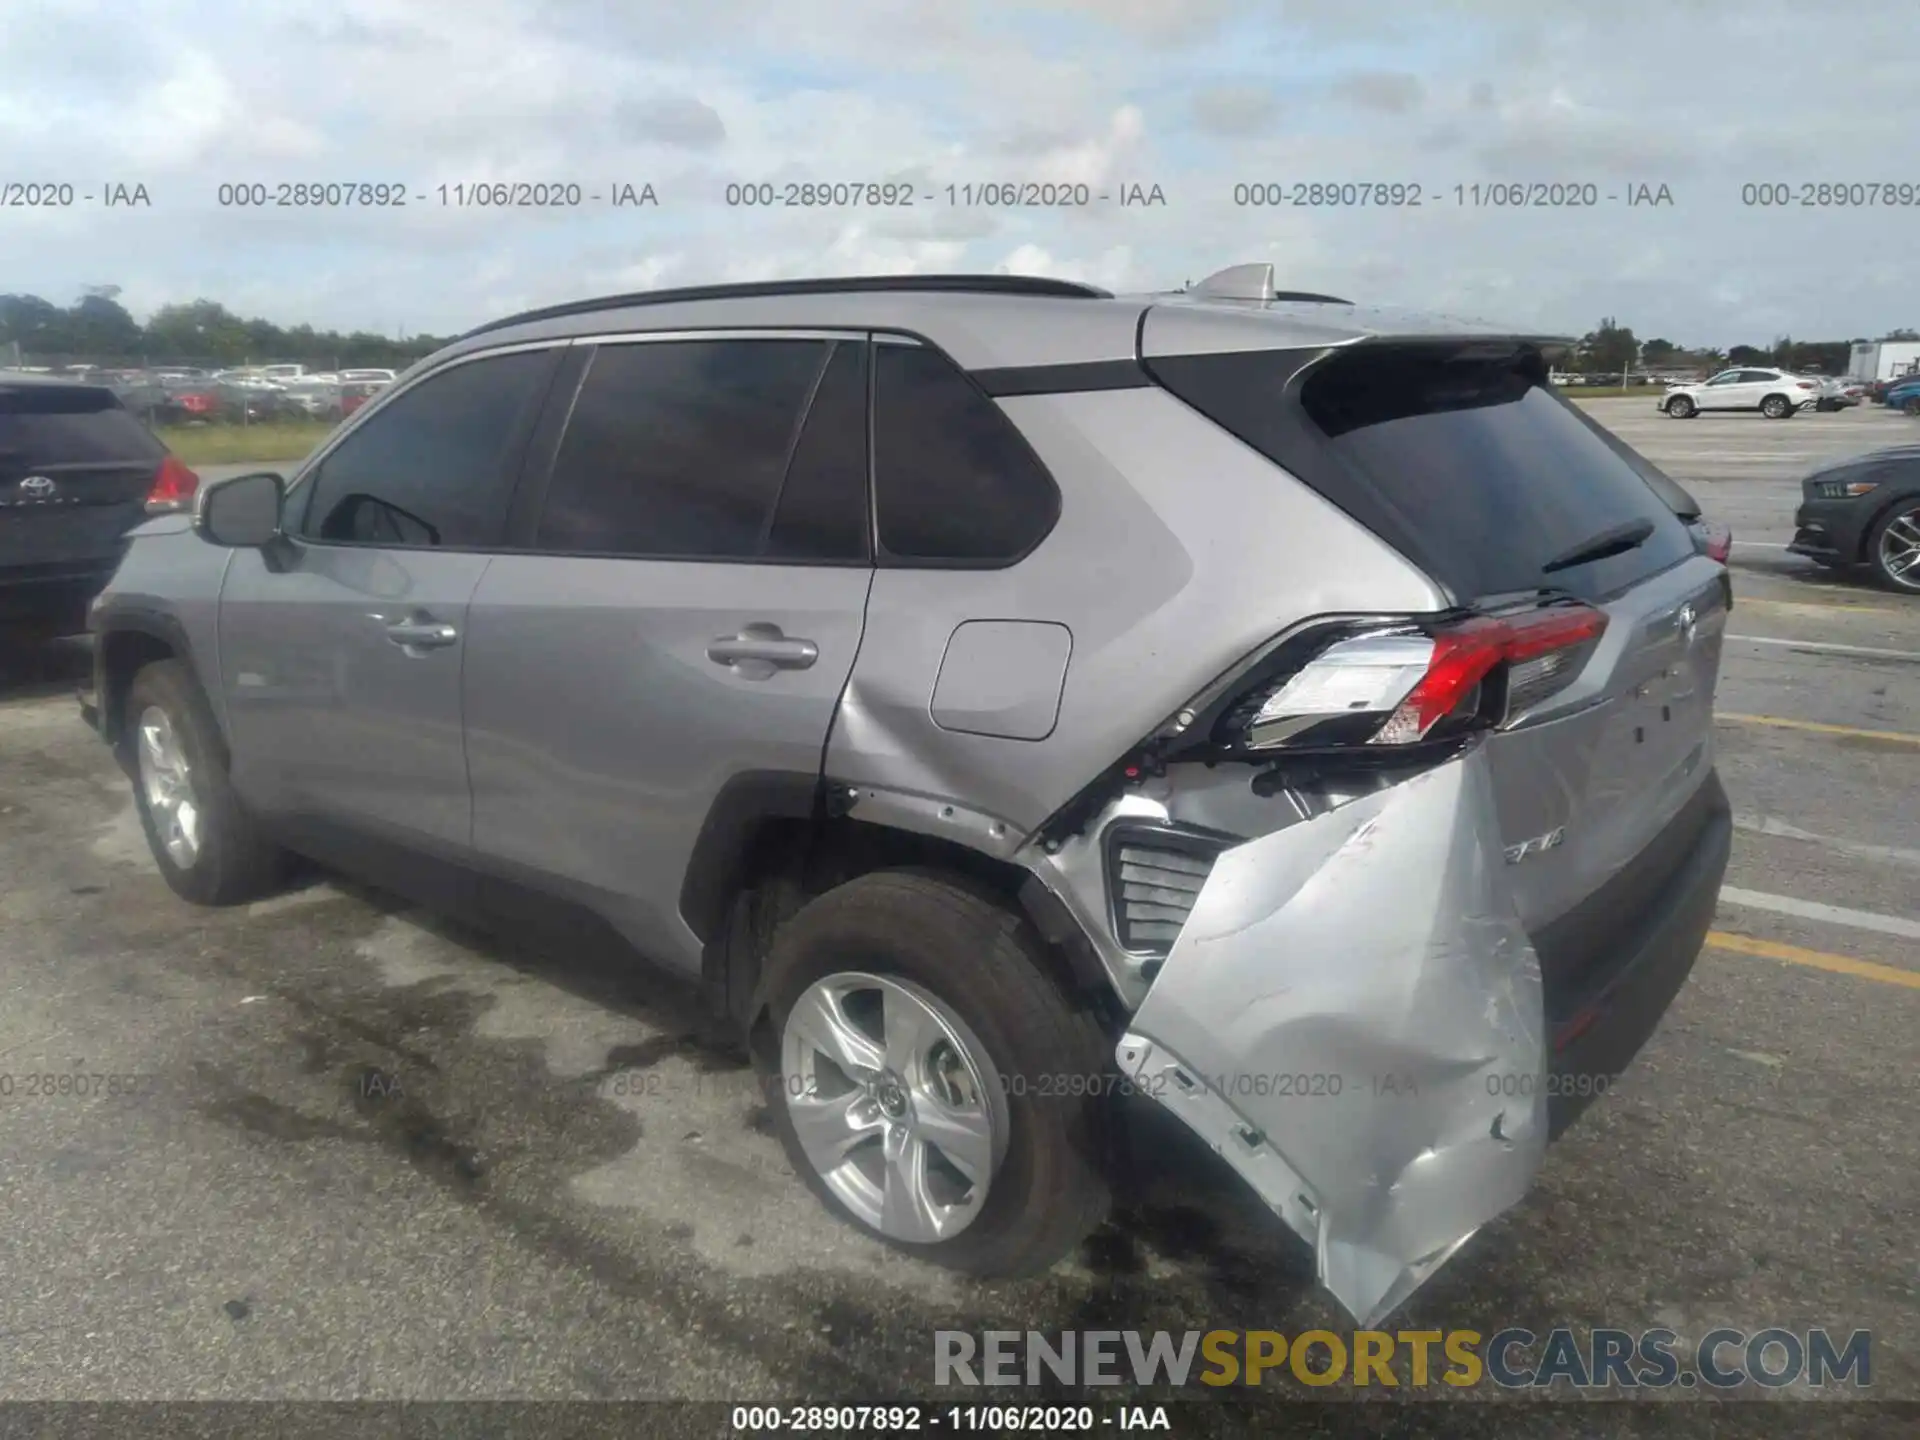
x,y
1816,959
1897,736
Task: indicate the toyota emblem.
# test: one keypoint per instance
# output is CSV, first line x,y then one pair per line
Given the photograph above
x,y
38,486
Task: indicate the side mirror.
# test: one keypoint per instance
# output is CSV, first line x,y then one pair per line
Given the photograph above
x,y
241,512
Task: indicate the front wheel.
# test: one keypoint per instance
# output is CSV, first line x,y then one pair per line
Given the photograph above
x,y
207,847
1894,547
1680,408
1776,407
927,1078
1911,405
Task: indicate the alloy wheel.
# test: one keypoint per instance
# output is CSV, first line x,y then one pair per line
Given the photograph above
x,y
166,780
1900,549
896,1104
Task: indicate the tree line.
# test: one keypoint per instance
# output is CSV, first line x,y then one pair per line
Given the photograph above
x,y
1613,349
98,329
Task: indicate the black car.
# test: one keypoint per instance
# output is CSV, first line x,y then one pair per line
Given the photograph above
x,y
77,471
1865,511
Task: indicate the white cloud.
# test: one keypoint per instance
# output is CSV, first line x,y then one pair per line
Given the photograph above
x,y
1194,95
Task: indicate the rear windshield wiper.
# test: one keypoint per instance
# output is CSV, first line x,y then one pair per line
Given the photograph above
x,y
1617,541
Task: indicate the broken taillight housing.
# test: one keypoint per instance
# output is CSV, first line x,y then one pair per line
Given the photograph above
x,y
1402,684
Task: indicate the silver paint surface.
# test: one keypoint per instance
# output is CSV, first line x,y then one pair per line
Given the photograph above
x,y
1003,678
1357,1014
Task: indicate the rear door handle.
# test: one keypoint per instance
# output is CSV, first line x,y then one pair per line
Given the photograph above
x,y
759,650
421,634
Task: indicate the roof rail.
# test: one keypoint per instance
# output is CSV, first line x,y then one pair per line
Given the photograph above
x,y
1255,282
1033,285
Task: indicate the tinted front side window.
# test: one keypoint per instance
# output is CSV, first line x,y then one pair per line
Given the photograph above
x,y
954,482
435,466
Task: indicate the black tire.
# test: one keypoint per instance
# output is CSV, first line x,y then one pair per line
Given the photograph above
x,y
1681,408
1776,407
235,861
987,965
1911,405
1901,512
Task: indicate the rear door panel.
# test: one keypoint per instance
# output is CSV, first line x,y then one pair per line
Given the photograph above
x,y
599,731
605,712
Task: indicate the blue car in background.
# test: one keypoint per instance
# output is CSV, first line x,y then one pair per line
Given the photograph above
x,y
1904,395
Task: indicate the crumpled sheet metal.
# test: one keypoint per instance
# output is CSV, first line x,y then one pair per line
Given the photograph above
x,y
1358,990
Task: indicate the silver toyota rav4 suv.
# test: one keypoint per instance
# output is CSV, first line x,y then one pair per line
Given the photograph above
x,y
1008,700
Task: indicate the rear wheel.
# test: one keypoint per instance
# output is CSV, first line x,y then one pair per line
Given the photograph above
x,y
1893,547
1680,408
1911,405
206,845
927,1078
1776,407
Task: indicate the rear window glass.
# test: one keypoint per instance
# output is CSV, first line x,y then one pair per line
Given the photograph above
x,y
57,426
1464,459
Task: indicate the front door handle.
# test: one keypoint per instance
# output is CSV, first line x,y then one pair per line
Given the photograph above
x,y
759,650
421,634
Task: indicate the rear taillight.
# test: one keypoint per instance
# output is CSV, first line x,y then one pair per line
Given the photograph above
x,y
173,488
1407,683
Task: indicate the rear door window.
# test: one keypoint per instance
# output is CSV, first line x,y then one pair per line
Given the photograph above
x,y
722,449
1462,457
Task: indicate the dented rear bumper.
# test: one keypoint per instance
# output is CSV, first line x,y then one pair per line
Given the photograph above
x,y
1353,1016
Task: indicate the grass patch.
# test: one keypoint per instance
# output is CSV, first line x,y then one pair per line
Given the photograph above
x,y
233,444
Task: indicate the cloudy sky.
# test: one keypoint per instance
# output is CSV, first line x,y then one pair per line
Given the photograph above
x,y
1197,97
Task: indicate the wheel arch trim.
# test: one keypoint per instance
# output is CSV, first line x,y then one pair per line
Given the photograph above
x,y
111,681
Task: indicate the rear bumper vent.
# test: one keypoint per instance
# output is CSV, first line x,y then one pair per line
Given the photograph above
x,y
1154,875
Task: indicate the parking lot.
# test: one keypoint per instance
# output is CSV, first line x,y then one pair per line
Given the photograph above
x,y
365,1155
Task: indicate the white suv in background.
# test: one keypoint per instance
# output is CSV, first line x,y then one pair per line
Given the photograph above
x,y
1776,394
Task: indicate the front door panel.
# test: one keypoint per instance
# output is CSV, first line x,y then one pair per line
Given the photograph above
x,y
334,711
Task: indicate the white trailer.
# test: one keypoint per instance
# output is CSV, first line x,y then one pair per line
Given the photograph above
x,y
1884,359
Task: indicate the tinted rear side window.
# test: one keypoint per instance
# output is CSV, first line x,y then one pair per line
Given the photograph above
x,y
59,426
679,448
954,482
822,510
1465,461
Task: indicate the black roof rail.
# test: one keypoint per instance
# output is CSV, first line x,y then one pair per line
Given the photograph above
x,y
842,285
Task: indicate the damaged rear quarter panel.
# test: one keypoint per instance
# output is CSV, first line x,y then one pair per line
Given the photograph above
x,y
1354,1013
